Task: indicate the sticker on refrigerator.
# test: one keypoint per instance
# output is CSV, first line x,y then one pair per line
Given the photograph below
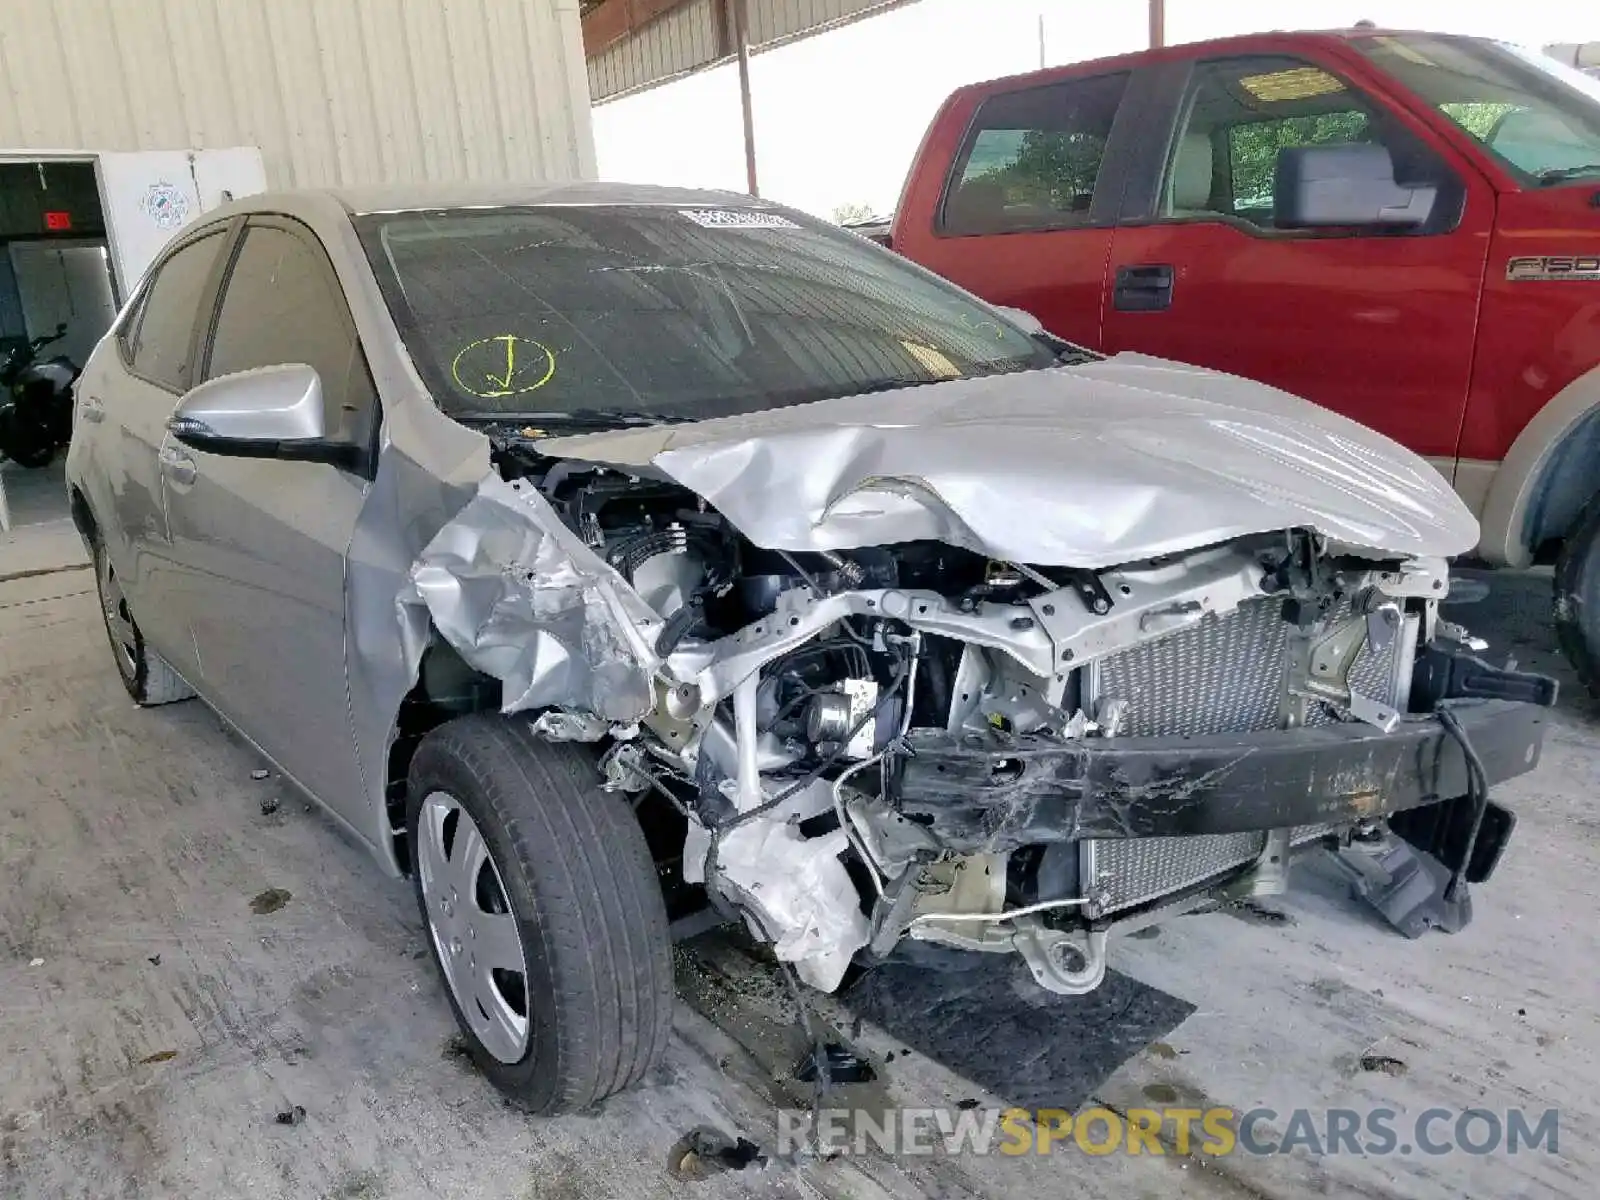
x,y
166,205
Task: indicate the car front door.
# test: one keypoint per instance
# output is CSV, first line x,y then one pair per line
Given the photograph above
x,y
125,399
1024,217
263,542
1375,323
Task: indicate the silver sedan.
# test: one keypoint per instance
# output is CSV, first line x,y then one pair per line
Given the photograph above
x,y
595,555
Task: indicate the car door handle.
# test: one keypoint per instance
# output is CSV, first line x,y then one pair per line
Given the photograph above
x,y
93,410
176,465
1143,287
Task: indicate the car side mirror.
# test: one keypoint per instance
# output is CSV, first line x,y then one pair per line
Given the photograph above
x,y
269,412
1347,185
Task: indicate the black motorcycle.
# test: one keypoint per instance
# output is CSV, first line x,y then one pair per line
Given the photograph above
x,y
35,401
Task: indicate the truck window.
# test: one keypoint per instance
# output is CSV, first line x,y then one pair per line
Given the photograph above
x,y
1032,158
1538,116
1241,113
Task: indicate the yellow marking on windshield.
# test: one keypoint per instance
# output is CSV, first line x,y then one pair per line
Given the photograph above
x,y
506,364
984,326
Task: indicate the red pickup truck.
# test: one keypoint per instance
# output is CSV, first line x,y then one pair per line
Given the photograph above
x,y
1403,227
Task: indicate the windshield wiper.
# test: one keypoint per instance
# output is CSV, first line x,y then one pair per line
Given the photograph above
x,y
893,383
1558,174
588,418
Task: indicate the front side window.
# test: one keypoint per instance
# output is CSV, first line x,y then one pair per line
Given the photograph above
x,y
1537,116
1032,158
283,304
1241,113
161,327
660,312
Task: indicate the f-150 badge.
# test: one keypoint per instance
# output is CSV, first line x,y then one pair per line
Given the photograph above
x,y
1555,266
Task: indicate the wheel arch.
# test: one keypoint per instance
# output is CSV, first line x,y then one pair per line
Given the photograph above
x,y
445,688
1547,476
82,515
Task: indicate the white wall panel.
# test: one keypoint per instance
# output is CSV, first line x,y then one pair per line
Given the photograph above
x,y
333,91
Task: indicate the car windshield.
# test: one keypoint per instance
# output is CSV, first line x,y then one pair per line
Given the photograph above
x,y
668,313
1538,116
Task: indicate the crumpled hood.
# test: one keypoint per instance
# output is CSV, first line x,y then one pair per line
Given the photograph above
x,y
1086,466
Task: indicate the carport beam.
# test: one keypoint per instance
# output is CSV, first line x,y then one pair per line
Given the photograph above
x,y
741,34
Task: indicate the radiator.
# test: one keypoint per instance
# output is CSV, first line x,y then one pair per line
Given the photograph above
x,y
1223,675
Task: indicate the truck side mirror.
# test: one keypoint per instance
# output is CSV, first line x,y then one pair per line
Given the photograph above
x,y
1345,185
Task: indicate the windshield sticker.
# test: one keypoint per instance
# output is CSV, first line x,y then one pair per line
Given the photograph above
x,y
492,368
737,218
1296,83
932,361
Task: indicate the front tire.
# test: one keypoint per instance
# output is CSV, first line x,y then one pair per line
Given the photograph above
x,y
144,673
543,911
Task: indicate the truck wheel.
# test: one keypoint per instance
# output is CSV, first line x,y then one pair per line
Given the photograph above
x,y
145,674
543,911
1577,596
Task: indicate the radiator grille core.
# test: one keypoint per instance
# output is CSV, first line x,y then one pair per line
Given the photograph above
x,y
1223,675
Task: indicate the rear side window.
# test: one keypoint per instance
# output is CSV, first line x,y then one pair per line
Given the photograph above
x,y
1032,158
283,304
160,335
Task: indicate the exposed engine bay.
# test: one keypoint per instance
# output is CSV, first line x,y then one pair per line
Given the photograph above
x,y
918,741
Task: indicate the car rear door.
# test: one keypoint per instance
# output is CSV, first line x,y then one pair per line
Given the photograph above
x,y
125,396
263,542
1377,323
1024,215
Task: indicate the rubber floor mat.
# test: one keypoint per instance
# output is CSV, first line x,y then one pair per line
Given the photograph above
x,y
989,1021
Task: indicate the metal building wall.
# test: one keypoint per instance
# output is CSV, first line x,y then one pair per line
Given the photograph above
x,y
333,91
686,39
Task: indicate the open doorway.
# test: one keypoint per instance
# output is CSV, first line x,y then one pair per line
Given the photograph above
x,y
55,267
55,275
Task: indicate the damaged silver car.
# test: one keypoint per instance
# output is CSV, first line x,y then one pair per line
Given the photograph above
x,y
599,556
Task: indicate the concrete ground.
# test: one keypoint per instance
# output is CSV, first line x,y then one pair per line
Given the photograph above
x,y
153,1025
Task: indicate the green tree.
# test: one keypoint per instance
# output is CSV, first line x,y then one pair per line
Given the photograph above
x,y
1478,117
845,214
1253,148
1051,170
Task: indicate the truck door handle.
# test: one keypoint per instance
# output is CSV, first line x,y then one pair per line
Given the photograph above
x,y
1143,287
176,465
93,410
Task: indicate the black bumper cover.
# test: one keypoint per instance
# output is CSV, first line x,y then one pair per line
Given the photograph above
x,y
995,793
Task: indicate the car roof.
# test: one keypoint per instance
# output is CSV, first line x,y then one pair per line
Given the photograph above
x,y
412,197
1243,43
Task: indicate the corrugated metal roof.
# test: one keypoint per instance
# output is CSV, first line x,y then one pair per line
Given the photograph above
x,y
685,39
682,41
352,91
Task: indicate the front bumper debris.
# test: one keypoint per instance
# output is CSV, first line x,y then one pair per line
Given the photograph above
x,y
993,793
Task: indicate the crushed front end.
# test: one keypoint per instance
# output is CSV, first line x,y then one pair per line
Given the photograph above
x,y
918,740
